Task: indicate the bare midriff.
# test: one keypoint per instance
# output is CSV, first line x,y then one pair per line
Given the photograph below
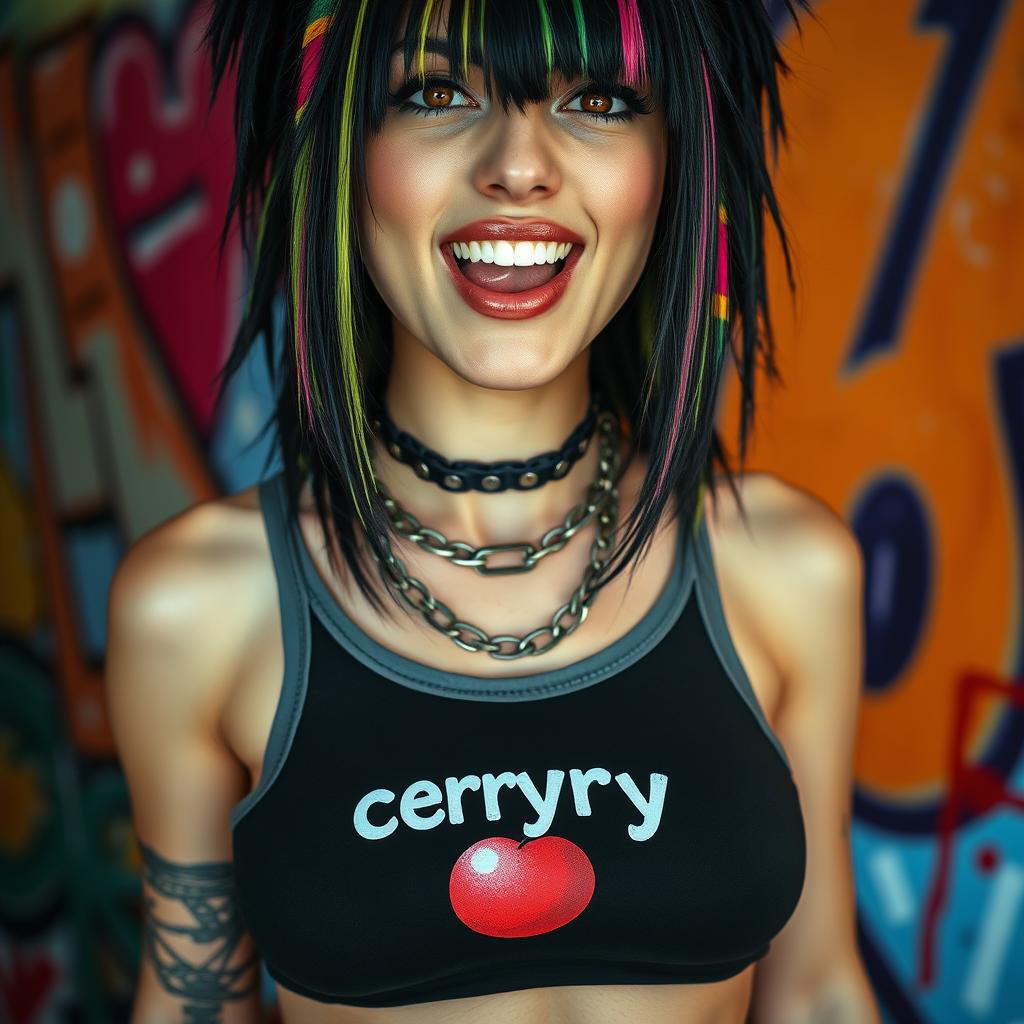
x,y
719,1002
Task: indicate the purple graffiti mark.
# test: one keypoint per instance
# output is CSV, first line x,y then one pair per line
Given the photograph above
x,y
168,161
972,787
1008,386
891,523
971,27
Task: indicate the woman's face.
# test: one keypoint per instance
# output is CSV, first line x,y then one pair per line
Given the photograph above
x,y
432,173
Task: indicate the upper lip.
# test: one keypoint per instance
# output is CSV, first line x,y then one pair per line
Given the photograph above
x,y
513,230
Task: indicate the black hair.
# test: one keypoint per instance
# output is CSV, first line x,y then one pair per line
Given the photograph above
x,y
713,65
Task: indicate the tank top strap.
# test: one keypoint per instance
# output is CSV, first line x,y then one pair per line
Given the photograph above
x,y
709,600
293,605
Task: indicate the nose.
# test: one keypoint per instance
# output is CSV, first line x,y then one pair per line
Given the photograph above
x,y
518,165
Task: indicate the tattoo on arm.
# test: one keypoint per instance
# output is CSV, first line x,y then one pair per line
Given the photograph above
x,y
205,979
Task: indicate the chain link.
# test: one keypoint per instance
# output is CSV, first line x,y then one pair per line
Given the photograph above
x,y
458,552
506,647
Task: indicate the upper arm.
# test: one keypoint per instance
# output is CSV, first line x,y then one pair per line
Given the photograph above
x,y
816,625
166,668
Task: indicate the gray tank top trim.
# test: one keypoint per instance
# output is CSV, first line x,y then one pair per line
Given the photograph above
x,y
300,586
628,649
295,638
709,600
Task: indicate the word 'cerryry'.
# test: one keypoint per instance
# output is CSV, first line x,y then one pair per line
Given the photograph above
x,y
423,794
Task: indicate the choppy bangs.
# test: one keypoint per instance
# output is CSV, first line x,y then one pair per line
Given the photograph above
x,y
701,297
519,46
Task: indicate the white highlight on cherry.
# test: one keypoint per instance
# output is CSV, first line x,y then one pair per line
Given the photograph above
x,y
484,860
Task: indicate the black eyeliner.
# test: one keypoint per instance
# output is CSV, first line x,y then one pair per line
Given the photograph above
x,y
638,104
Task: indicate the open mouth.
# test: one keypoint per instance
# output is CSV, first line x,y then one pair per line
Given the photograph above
x,y
488,264
511,280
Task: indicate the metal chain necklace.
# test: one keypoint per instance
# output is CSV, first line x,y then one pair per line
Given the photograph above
x,y
506,647
458,552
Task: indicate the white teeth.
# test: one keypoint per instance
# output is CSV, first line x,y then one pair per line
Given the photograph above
x,y
504,254
525,252
512,254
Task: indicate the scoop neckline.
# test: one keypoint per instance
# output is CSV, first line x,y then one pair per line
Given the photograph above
x,y
636,642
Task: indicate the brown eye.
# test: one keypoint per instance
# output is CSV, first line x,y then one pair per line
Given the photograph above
x,y
595,102
438,96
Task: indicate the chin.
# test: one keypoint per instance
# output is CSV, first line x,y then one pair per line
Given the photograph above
x,y
512,365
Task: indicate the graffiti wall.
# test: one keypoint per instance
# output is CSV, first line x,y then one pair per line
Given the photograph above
x,y
902,406
116,309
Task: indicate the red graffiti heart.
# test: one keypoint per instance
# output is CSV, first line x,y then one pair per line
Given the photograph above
x,y
168,159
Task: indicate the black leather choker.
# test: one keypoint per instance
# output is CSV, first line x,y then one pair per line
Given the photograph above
x,y
485,476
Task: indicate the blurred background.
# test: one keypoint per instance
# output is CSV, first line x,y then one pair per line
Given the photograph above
x,y
902,406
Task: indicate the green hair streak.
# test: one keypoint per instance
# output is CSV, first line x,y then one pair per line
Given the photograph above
x,y
261,228
424,25
581,32
700,369
300,186
465,39
319,9
347,342
545,29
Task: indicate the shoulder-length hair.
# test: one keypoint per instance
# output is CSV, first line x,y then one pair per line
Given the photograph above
x,y
312,83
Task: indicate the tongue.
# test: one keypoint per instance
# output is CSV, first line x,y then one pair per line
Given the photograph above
x,y
509,279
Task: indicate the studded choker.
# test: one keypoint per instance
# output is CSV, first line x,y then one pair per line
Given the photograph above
x,y
485,476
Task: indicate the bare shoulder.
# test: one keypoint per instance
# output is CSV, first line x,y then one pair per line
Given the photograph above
x,y
793,556
786,526
184,604
191,590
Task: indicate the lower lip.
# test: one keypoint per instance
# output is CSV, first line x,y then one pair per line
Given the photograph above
x,y
512,305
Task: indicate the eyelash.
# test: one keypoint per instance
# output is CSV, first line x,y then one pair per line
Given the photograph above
x,y
636,104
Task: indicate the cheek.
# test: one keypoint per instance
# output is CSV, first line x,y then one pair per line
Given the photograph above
x,y
623,190
407,186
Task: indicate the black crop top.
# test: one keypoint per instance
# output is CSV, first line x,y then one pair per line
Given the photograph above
x,y
418,835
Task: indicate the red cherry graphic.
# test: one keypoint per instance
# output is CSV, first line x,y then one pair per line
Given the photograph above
x,y
510,888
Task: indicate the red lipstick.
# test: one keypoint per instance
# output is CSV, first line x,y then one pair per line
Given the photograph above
x,y
509,229
512,305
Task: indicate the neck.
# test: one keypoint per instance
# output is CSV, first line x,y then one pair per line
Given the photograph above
x,y
460,420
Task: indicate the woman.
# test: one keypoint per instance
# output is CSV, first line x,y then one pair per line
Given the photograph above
x,y
519,241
